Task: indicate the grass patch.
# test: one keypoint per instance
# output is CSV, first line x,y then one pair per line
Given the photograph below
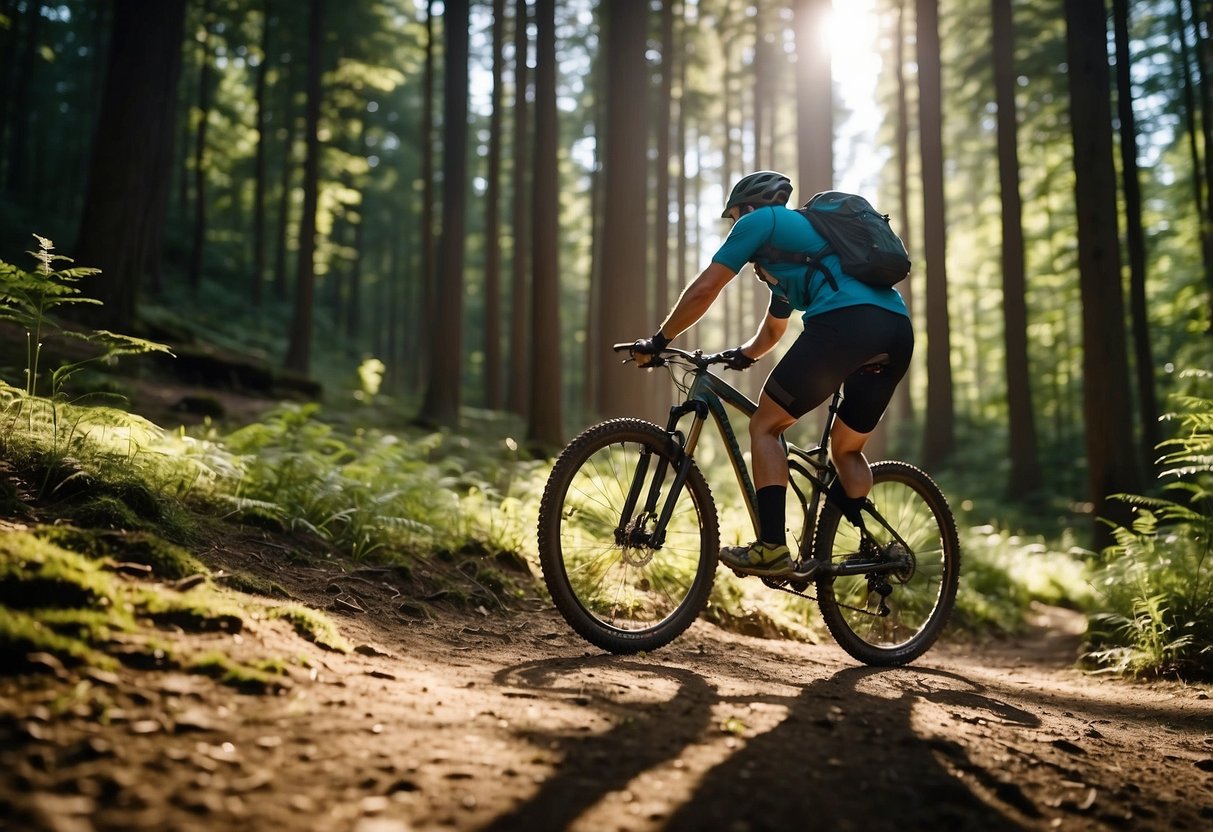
x,y
167,560
34,574
311,625
260,677
22,633
253,585
201,610
375,492
63,602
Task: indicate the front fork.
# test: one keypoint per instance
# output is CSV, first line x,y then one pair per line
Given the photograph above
x,y
632,531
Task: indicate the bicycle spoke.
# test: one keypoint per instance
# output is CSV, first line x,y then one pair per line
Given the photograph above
x,y
889,617
603,567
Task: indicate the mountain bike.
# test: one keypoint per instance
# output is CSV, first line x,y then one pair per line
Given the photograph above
x,y
629,538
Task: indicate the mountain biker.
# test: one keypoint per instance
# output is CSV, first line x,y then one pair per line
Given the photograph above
x,y
845,328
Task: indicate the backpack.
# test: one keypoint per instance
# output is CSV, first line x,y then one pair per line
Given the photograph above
x,y
867,247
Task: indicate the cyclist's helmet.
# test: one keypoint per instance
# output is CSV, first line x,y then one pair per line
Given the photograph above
x,y
765,187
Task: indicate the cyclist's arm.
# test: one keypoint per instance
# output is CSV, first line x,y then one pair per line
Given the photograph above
x,y
767,336
696,299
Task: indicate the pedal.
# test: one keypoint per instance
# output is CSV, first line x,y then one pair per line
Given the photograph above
x,y
805,572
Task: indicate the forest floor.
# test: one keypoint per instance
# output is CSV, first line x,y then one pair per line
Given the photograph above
x,y
453,712
449,716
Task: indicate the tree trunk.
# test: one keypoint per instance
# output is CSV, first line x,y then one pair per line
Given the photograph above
x,y
545,411
520,388
259,164
814,100
761,69
1143,354
284,195
1025,465
334,279
590,355
1189,106
903,401
625,225
429,276
204,113
132,153
393,314
1198,172
493,396
1107,397
443,387
21,104
299,351
681,269
1202,16
661,230
353,310
939,437
8,41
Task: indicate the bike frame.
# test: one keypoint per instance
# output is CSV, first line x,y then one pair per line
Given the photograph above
x,y
709,394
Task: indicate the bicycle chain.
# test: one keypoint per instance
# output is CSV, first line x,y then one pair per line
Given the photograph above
x,y
805,595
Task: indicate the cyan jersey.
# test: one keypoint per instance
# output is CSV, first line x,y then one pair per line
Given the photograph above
x,y
783,228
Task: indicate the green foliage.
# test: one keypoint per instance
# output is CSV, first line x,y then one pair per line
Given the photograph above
x,y
1156,581
311,625
71,604
264,677
22,633
1004,573
104,467
55,601
29,299
370,491
35,574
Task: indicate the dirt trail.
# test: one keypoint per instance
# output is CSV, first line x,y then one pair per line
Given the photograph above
x,y
466,720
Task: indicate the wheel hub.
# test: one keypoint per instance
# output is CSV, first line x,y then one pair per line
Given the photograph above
x,y
634,556
898,552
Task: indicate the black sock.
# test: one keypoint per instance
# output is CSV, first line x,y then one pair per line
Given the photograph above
x,y
849,506
771,508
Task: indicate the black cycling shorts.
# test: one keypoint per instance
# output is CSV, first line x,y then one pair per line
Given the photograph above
x,y
836,348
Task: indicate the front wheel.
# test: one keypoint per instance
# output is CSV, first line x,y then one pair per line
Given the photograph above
x,y
617,580
891,618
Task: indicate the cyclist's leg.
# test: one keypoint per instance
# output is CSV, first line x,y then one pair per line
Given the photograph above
x,y
846,452
866,395
832,346
800,381
767,457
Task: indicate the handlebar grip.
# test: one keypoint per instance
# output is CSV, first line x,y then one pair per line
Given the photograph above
x,y
622,347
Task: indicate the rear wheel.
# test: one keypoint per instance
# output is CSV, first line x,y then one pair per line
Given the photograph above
x,y
918,597
616,585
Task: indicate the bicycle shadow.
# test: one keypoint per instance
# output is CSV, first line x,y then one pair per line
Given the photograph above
x,y
852,758
598,764
847,754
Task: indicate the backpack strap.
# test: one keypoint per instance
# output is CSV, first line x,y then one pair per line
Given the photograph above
x,y
810,260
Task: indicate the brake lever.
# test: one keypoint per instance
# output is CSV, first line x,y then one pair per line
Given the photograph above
x,y
655,361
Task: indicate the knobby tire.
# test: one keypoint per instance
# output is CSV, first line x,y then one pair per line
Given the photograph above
x,y
922,597
622,595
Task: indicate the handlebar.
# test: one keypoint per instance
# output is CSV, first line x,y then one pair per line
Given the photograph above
x,y
697,358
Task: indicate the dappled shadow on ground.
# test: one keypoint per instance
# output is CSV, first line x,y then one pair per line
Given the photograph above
x,y
472,722
842,753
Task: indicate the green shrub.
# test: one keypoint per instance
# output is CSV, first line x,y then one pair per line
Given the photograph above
x,y
1156,581
372,491
29,299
